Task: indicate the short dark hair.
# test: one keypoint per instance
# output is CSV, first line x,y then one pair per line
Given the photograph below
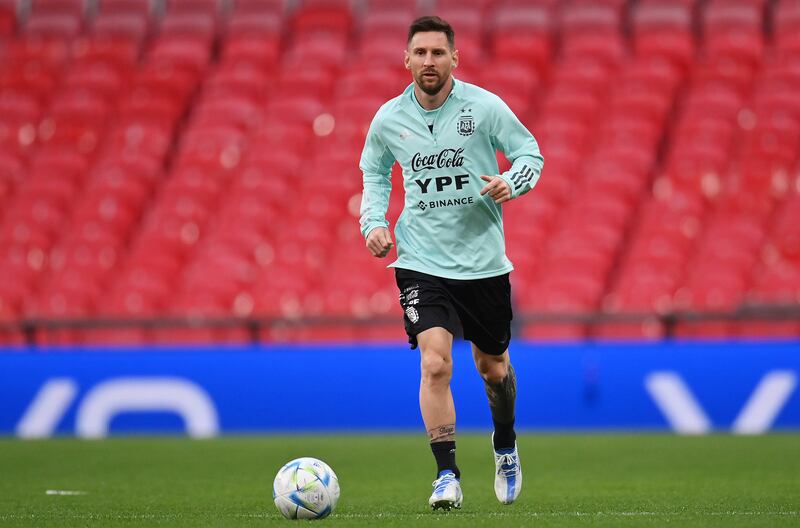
x,y
432,23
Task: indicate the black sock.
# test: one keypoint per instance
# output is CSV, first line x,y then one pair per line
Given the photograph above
x,y
445,454
504,435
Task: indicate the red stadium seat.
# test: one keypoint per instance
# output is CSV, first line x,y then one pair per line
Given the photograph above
x,y
607,48
251,49
194,184
35,75
621,184
135,7
389,23
390,5
387,81
568,133
19,117
468,20
195,25
181,51
523,34
591,17
228,110
325,17
323,50
258,7
8,18
522,91
12,295
747,47
129,27
116,214
210,7
121,53
785,233
642,293
573,296
786,23
17,106
661,15
97,77
674,47
53,26
11,171
576,104
263,25
583,74
722,16
47,52
70,7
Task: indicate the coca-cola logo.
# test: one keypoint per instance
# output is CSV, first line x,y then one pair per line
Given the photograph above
x,y
444,159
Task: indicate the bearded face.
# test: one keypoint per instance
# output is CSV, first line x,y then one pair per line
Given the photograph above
x,y
430,60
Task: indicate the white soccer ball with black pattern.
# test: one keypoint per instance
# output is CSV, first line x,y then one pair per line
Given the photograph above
x,y
305,488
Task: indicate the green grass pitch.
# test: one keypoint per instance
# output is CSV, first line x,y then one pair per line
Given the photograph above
x,y
570,481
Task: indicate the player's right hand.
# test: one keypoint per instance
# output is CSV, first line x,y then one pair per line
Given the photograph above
x,y
379,242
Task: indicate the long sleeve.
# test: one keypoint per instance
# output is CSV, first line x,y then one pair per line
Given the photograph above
x,y
376,166
511,137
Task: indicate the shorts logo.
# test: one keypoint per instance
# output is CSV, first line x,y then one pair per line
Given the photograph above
x,y
412,314
466,125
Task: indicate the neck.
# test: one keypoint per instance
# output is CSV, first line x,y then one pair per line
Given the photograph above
x,y
432,102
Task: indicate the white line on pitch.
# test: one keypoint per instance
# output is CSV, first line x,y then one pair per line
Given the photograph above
x,y
64,492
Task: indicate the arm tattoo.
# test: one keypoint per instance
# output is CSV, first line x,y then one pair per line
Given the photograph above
x,y
442,433
502,397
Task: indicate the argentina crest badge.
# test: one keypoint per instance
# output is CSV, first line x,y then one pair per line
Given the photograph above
x,y
466,125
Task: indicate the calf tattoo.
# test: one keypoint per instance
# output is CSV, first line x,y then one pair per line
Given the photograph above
x,y
502,397
442,433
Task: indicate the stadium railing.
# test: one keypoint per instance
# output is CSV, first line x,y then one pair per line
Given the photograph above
x,y
38,332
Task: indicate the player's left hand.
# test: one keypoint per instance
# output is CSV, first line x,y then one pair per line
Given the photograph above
x,y
497,188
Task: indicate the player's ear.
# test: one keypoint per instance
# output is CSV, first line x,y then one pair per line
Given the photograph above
x,y
455,59
407,59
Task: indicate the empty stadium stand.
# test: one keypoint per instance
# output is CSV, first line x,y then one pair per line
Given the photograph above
x,y
186,159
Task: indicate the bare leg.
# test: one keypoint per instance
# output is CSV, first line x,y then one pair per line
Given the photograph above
x,y
435,397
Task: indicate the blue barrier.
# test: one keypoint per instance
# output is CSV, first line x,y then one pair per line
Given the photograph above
x,y
686,387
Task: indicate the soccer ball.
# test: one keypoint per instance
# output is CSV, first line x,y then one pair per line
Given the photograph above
x,y
305,488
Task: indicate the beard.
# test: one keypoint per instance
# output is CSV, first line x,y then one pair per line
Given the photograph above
x,y
430,89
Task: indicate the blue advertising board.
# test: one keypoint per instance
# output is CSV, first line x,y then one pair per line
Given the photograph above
x,y
690,387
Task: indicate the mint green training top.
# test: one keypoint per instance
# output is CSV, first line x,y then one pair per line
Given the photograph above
x,y
447,228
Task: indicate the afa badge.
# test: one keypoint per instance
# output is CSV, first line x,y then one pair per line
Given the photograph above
x,y
466,125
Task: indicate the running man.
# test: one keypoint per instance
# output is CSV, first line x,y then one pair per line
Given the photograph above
x,y
451,267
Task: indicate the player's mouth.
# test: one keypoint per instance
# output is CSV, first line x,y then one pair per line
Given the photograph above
x,y
430,75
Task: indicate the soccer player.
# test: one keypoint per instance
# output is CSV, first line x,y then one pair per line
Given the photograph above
x,y
451,266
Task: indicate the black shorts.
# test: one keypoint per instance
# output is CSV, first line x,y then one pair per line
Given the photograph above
x,y
481,307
